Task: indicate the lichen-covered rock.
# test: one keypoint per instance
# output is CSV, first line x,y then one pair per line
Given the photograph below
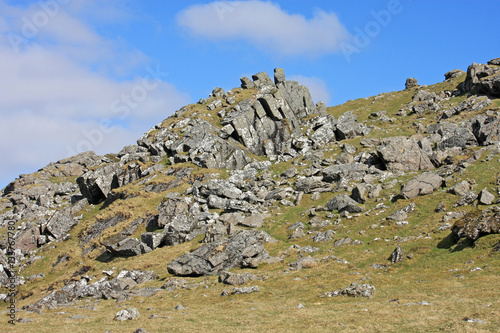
x,y
127,314
60,224
95,185
423,184
477,224
400,154
242,249
236,279
475,73
342,202
128,247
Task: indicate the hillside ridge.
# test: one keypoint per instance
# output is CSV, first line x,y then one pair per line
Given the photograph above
x,y
257,184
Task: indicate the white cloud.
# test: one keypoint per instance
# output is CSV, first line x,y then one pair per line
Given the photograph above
x,y
265,25
317,87
57,92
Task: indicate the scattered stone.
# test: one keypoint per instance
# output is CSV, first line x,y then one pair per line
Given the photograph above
x,y
461,188
423,184
297,233
467,199
486,198
398,255
127,314
324,236
254,220
472,320
343,242
453,74
307,262
174,284
342,202
128,247
180,307
140,330
236,279
354,290
239,291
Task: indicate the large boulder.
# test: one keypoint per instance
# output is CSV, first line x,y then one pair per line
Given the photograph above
x,y
452,135
400,154
475,73
477,224
342,202
348,127
486,129
473,103
423,184
95,185
350,171
60,224
242,249
128,247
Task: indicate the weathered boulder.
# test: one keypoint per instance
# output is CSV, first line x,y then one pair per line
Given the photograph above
x,y
312,185
475,73
461,188
239,291
453,74
466,199
343,202
336,173
489,86
127,314
242,249
494,62
486,129
347,127
128,247
423,184
357,290
236,279
400,154
152,239
397,255
95,185
206,149
170,208
473,103
254,220
485,197
411,83
60,224
477,224
27,240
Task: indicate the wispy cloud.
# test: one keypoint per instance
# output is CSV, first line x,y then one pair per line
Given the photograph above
x,y
63,80
266,26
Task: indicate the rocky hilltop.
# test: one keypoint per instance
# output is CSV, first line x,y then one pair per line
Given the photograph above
x,y
256,178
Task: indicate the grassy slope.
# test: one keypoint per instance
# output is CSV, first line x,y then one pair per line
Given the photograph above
x,y
440,272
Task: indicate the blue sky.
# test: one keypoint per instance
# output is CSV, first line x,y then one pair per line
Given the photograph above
x,y
81,75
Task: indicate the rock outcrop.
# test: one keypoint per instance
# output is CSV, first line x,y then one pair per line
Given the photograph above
x,y
243,249
477,224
